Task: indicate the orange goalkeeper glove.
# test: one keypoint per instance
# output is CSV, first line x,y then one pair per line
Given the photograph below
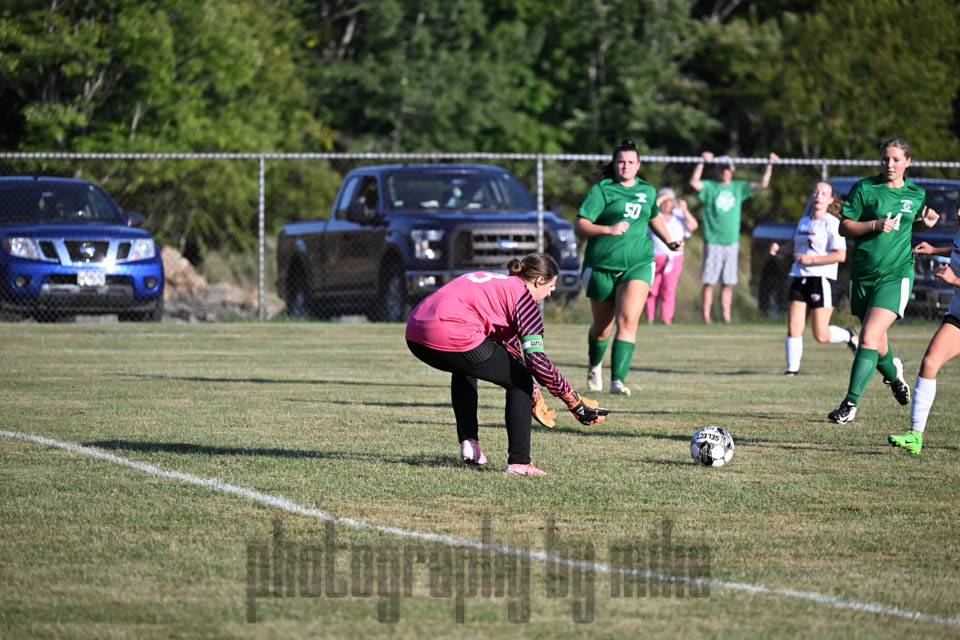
x,y
543,415
584,409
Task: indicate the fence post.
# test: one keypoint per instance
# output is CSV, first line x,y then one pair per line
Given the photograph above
x,y
540,202
260,243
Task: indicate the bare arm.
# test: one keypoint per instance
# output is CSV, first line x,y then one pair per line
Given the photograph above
x,y
776,246
945,273
660,230
837,255
767,173
928,217
586,229
689,221
698,172
854,228
925,248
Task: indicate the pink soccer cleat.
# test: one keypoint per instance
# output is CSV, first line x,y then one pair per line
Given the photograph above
x,y
525,470
471,454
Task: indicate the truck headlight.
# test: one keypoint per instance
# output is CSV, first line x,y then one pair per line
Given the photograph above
x,y
143,249
567,240
426,244
21,248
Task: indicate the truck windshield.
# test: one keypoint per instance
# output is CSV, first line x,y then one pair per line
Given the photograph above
x,y
456,190
56,202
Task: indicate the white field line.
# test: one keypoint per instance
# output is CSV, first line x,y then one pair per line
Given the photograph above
x,y
282,503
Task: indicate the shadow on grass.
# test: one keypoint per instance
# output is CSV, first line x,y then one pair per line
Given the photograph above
x,y
186,448
637,371
362,383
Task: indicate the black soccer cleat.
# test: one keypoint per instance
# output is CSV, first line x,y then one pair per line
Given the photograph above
x,y
899,387
846,412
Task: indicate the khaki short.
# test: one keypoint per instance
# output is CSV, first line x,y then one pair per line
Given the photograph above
x,y
719,260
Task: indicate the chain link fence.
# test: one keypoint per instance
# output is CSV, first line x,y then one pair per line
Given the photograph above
x,y
273,237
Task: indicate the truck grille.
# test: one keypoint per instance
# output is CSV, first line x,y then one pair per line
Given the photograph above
x,y
87,250
494,247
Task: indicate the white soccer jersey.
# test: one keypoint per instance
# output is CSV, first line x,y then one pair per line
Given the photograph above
x,y
817,238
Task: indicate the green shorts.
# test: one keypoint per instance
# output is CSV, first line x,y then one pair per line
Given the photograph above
x,y
888,294
601,284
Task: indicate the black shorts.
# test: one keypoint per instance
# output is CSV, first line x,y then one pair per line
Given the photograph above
x,y
951,319
815,291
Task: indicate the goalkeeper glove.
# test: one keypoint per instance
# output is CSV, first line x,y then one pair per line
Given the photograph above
x,y
543,415
584,409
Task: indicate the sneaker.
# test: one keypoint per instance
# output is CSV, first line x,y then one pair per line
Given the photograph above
x,y
790,373
471,454
846,412
854,341
595,378
524,470
617,388
901,391
912,441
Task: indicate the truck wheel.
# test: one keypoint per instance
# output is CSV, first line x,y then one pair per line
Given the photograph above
x,y
394,303
154,315
297,305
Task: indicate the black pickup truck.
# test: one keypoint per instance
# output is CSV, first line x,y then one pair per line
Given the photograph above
x,y
398,232
930,297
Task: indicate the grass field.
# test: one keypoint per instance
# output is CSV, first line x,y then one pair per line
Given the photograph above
x,y
813,530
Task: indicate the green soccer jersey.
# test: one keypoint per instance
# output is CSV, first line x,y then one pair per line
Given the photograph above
x,y
721,210
881,256
608,203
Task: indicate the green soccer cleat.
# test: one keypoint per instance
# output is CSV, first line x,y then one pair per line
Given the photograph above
x,y
912,441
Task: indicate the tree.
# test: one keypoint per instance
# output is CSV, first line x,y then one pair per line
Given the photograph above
x,y
160,75
854,73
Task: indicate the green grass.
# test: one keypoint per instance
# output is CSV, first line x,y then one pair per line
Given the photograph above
x,y
341,418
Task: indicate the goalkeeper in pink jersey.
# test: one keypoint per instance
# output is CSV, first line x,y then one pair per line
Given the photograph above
x,y
488,326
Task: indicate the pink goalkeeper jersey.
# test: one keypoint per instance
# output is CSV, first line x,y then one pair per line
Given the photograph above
x,y
480,305
466,310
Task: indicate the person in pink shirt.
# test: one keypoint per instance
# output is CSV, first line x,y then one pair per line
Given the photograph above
x,y
487,326
668,263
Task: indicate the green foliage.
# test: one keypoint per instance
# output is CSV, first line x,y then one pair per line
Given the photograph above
x,y
157,76
799,77
850,74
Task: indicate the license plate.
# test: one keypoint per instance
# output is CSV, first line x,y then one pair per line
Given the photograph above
x,y
91,278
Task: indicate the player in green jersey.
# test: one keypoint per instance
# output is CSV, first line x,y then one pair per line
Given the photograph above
x,y
618,263
880,213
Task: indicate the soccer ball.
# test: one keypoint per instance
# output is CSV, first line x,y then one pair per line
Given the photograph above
x,y
712,446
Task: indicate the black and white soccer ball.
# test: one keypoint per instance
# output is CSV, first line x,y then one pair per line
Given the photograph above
x,y
712,446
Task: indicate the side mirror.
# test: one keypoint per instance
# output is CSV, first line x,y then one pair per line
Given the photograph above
x,y
134,218
359,213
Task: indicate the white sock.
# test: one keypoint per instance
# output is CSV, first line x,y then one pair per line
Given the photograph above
x,y
794,347
924,391
838,334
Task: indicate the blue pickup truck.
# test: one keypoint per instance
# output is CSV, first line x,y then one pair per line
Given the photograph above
x,y
68,248
930,297
398,232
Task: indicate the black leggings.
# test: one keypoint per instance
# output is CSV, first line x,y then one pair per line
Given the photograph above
x,y
491,362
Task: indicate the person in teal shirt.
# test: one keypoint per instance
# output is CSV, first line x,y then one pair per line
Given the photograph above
x,y
722,200
618,263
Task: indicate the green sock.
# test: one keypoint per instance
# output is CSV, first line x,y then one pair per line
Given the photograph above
x,y
864,364
885,365
595,350
622,355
